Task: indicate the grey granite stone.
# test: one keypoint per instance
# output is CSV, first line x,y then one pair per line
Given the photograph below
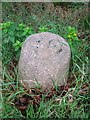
x,y
44,60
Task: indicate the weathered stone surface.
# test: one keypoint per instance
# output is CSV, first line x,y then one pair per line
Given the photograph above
x,y
44,59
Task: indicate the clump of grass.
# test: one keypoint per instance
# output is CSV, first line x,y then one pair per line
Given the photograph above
x,y
70,101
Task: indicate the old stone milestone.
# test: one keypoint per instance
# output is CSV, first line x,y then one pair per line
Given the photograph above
x,y
44,60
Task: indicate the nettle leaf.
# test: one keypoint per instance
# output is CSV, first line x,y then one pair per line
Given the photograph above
x,y
29,32
11,30
15,44
13,27
5,31
18,35
11,33
18,42
20,45
43,29
12,39
17,48
24,33
21,25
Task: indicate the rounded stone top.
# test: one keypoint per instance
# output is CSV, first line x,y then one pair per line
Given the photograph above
x,y
44,59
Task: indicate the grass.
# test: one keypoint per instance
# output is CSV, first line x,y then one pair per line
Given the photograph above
x,y
70,101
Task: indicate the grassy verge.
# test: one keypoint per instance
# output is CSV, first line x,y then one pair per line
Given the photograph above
x,y
69,101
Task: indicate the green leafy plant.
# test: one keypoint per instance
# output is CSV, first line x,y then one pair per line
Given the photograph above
x,y
43,29
17,45
13,31
72,37
14,35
